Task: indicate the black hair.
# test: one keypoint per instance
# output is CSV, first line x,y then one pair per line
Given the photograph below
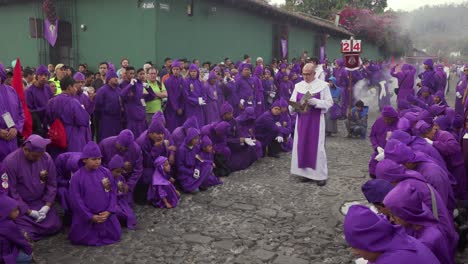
x,y
167,59
194,60
130,68
246,56
66,82
84,65
225,59
87,74
359,104
151,68
207,62
149,62
102,63
139,70
27,71
315,60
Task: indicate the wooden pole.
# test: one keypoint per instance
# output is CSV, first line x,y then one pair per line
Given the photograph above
x,y
350,92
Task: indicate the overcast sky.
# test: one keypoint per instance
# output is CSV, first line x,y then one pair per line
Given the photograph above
x,y
406,5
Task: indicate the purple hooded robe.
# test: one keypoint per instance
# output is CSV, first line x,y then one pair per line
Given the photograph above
x,y
36,100
124,210
405,81
32,185
108,111
428,78
269,126
365,230
406,202
134,101
175,99
246,122
212,101
194,91
460,90
9,103
91,193
66,164
161,187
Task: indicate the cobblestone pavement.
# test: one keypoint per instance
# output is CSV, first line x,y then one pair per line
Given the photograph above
x,y
260,215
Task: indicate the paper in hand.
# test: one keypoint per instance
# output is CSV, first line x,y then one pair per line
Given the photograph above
x,y
302,105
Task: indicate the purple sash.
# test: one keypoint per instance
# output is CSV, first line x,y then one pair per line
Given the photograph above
x,y
308,130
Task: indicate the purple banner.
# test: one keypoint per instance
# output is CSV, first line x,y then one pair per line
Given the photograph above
x,y
50,31
284,48
322,54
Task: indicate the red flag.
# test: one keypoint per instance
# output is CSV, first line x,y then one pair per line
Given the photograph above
x,y
17,84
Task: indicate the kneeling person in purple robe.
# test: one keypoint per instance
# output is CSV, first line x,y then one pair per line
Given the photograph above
x,y
270,131
14,246
32,175
93,198
124,211
162,193
375,239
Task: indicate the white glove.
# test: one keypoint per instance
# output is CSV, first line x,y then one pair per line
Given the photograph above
x,y
389,134
429,141
44,210
133,81
382,93
196,174
459,95
201,101
41,217
380,157
249,142
278,124
249,102
242,101
272,94
34,214
380,150
312,101
259,103
146,85
280,139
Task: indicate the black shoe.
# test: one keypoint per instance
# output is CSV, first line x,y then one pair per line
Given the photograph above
x,y
321,183
276,156
306,180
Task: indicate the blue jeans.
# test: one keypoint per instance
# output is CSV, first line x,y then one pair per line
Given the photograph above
x,y
23,257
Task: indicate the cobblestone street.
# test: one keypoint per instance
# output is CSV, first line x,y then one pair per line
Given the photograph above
x,y
260,215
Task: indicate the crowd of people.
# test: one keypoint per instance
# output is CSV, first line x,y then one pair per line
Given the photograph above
x,y
419,185
103,141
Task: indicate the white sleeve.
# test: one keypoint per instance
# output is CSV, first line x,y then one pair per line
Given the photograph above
x,y
327,100
293,99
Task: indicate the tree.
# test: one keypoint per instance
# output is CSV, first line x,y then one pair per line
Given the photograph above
x,y
328,8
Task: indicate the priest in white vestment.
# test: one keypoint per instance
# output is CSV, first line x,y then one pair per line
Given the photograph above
x,y
309,159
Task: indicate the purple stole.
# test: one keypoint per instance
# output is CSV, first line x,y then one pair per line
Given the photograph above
x,y
308,125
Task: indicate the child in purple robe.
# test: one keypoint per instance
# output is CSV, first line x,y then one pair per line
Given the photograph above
x,y
376,240
245,88
212,104
409,211
285,87
375,191
123,211
428,77
193,173
14,246
207,155
195,95
179,134
32,183
93,198
425,96
37,95
124,144
222,153
380,132
405,80
269,88
258,93
174,111
66,164
162,193
286,122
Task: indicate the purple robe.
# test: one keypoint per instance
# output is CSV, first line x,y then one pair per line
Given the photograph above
x,y
428,80
247,130
450,149
212,104
108,111
175,100
161,187
194,90
285,89
461,87
368,231
150,154
123,209
66,164
86,102
268,127
405,81
12,240
259,99
229,91
132,155
377,138
242,155
36,100
134,103
89,197
269,92
32,185
405,202
245,88
390,171
75,119
9,102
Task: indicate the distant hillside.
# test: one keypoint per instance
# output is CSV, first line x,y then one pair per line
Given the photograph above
x,y
438,29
